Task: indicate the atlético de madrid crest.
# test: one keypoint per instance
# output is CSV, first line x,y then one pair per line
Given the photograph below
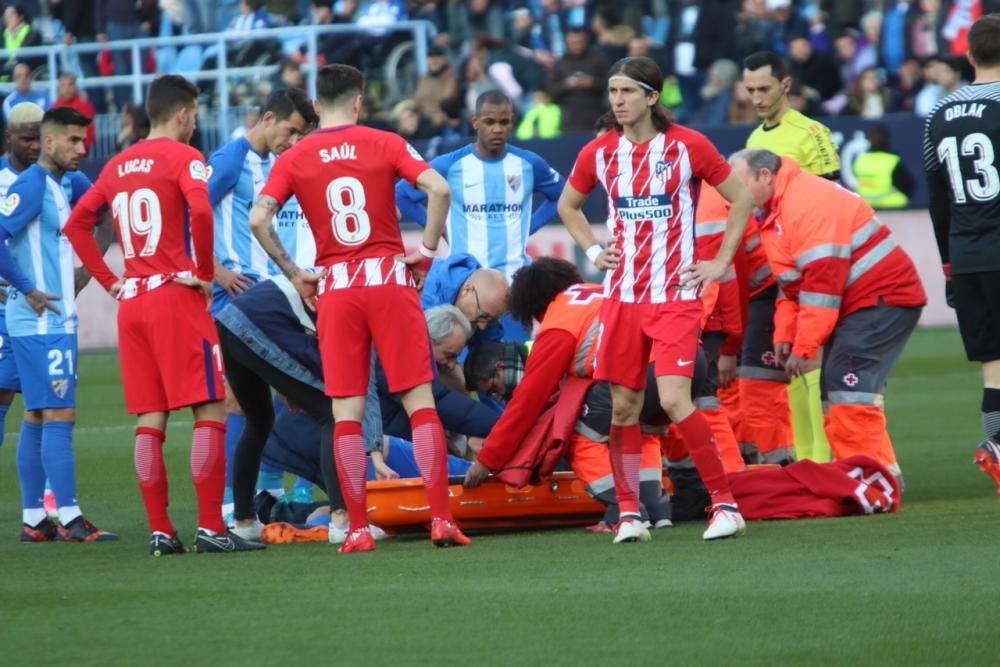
x,y
664,170
514,181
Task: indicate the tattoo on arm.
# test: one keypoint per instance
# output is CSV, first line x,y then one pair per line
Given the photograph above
x,y
267,203
280,255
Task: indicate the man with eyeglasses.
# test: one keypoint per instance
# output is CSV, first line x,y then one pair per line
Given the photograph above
x,y
481,294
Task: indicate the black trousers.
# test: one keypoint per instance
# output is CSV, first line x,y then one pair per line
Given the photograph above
x,y
251,379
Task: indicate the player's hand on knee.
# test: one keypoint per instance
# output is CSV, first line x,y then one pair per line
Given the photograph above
x,y
40,302
202,286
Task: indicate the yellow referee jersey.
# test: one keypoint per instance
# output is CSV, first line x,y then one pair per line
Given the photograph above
x,y
804,140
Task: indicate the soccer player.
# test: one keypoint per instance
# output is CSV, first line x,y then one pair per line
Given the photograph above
x,y
960,153
651,169
24,140
848,290
788,133
237,172
492,187
39,266
343,176
168,346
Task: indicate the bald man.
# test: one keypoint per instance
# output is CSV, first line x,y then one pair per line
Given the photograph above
x,y
481,294
23,93
24,144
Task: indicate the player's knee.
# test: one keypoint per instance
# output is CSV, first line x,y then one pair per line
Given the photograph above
x,y
59,415
677,405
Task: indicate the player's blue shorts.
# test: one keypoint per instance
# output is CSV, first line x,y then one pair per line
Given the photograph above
x,y
47,366
220,299
9,379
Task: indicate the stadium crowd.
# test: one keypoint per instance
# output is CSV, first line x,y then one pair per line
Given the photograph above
x,y
863,58
752,312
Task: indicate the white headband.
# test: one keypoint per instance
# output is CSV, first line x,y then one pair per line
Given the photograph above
x,y
628,79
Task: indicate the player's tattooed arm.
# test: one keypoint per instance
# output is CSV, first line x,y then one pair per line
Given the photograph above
x,y
263,212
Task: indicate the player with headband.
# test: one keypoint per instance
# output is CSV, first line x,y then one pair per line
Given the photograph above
x,y
651,169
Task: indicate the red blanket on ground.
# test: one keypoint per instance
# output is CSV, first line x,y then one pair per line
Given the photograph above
x,y
856,485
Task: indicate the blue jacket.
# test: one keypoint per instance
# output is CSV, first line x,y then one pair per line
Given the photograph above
x,y
444,282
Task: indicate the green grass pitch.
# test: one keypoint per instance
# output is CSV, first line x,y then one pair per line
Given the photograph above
x,y
919,587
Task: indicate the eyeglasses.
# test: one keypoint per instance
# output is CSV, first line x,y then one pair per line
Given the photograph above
x,y
482,317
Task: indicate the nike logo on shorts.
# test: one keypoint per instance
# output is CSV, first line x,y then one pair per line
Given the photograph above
x,y
682,363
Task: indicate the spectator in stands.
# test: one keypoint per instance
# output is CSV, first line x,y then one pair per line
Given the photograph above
x,y
23,92
868,97
289,75
18,34
542,121
70,96
410,124
924,30
741,109
785,24
123,19
752,31
200,16
893,45
135,126
813,69
907,82
528,37
717,93
577,83
440,83
78,22
842,14
250,120
943,76
475,81
612,34
249,52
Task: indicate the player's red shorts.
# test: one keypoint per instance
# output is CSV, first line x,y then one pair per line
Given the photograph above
x,y
351,319
169,351
629,330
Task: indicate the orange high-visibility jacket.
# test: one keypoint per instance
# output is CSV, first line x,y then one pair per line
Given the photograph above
x,y
831,256
721,299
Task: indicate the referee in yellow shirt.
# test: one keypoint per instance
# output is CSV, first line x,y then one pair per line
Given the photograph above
x,y
788,133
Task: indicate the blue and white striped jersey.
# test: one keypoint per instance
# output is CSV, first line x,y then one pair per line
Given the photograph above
x,y
237,174
33,213
293,230
490,216
7,177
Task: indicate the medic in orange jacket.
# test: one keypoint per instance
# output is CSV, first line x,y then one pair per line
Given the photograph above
x,y
832,258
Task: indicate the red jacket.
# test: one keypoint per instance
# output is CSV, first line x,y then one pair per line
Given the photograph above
x,y
84,107
547,441
855,485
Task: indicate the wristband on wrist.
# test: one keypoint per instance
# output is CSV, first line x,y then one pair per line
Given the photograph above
x,y
593,251
427,252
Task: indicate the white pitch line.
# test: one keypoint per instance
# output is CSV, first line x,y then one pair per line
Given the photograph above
x,y
106,429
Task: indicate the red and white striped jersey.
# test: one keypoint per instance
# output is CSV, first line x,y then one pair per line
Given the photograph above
x,y
652,190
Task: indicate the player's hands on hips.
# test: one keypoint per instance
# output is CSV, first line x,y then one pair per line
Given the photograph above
x,y
307,284
781,353
727,369
419,265
609,259
702,274
81,276
475,475
116,289
40,302
234,283
202,286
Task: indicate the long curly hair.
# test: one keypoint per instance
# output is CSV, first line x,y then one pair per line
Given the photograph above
x,y
536,285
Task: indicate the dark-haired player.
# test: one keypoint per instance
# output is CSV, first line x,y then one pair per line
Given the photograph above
x,y
168,345
344,176
237,173
651,169
961,143
42,322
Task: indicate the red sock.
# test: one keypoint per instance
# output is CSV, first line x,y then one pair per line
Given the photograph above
x,y
626,459
208,469
152,476
352,470
701,445
432,458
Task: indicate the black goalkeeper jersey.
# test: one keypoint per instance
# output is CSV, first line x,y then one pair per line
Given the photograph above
x,y
962,157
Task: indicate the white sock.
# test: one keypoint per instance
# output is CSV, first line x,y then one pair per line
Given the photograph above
x,y
228,508
68,513
33,516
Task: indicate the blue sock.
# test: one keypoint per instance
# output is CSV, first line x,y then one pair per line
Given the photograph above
x,y
3,421
30,471
270,477
60,466
234,429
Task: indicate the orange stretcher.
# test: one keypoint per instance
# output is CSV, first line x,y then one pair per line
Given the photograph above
x,y
401,505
